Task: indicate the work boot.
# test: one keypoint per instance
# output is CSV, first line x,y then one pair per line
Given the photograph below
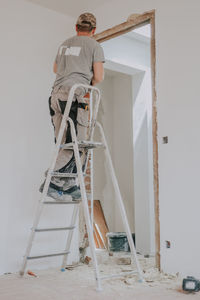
x,y
58,195
74,192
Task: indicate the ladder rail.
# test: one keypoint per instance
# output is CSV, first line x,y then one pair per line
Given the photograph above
x,y
85,206
31,237
92,122
70,235
92,165
51,169
92,186
120,202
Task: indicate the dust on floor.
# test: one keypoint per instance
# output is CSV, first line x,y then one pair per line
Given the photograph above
x,y
77,283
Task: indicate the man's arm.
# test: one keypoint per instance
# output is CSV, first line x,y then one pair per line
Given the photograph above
x,y
98,71
55,67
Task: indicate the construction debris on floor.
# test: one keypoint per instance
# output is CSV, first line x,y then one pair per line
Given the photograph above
x,y
77,282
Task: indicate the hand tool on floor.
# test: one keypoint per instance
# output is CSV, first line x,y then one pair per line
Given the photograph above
x,y
191,284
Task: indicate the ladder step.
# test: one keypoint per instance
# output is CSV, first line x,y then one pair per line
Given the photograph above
x,y
48,255
54,229
62,202
83,144
58,174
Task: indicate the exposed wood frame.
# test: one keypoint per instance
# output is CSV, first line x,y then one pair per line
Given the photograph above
x,y
132,23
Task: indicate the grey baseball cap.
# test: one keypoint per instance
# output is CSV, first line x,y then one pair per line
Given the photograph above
x,y
86,20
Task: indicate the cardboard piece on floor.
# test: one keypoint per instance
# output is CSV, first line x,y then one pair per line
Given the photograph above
x,y
100,220
100,243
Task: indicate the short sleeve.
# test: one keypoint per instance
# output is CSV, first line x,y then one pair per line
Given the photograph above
x,y
98,54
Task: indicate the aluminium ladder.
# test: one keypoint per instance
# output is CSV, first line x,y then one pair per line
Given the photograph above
x,y
88,146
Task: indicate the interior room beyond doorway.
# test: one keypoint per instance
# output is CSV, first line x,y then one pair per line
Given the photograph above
x,y
126,112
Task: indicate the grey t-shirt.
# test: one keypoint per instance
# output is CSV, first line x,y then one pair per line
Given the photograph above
x,y
75,60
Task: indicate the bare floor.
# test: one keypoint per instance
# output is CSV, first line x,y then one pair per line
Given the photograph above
x,y
78,283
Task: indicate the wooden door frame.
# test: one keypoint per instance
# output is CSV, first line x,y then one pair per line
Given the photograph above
x,y
135,21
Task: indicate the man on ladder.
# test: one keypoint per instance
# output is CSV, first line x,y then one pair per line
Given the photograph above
x,y
79,61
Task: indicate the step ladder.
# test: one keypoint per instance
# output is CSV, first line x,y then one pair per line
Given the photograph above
x,y
89,145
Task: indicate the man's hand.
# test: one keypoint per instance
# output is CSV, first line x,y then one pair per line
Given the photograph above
x,y
98,71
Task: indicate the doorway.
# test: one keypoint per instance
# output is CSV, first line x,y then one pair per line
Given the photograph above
x,y
126,82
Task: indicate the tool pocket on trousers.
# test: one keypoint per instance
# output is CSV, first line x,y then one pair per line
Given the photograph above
x,y
83,116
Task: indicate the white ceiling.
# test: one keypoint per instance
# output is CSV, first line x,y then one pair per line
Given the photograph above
x,y
70,7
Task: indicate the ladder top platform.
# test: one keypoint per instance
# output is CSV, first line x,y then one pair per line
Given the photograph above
x,y
63,202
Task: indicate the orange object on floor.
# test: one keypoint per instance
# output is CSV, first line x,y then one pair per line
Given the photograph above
x,y
31,273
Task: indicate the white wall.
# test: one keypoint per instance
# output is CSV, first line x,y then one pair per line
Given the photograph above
x,y
30,36
178,64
